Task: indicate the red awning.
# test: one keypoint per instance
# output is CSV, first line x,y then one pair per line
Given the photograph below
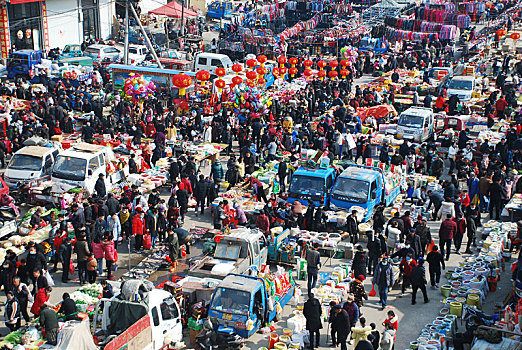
x,y
173,9
16,2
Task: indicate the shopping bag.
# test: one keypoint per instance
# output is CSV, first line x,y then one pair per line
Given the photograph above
x,y
475,200
114,267
49,279
147,242
115,256
71,267
372,292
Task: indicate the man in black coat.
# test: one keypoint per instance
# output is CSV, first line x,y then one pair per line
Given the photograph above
x,y
415,243
133,167
341,325
64,256
496,192
352,226
312,312
374,251
201,192
99,186
182,197
418,281
282,171
113,205
174,170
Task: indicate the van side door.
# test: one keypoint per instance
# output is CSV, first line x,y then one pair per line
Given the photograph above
x,y
47,165
171,319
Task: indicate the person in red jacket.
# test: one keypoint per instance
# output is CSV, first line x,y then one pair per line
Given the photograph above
x,y
263,224
406,265
460,222
464,200
446,232
41,298
501,106
138,228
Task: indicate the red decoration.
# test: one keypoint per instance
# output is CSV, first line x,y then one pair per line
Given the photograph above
x,y
344,62
515,36
293,61
261,59
333,64
237,80
333,74
184,105
321,64
283,70
321,74
308,63
261,81
237,68
203,75
251,63
251,75
344,72
182,81
292,71
220,72
281,60
220,83
261,70
251,83
275,72
308,73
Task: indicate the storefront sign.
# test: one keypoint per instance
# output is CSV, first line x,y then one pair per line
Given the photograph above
x,y
45,27
5,38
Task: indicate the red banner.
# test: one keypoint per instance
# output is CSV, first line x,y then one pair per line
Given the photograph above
x,y
5,38
16,2
45,27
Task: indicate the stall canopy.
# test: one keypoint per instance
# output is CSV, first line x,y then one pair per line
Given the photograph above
x,y
173,9
377,112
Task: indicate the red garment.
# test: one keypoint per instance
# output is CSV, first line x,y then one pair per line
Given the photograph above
x,y
138,226
439,103
447,229
185,185
407,267
394,321
109,251
97,250
263,224
150,130
40,299
460,225
464,199
57,131
501,105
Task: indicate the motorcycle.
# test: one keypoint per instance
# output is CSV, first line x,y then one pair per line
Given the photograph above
x,y
210,339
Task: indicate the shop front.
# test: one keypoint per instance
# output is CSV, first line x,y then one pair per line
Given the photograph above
x,y
27,24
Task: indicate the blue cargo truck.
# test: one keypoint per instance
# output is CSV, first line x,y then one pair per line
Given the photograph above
x,y
311,184
365,187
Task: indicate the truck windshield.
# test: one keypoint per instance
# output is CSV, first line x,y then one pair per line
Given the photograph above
x,y
25,162
18,60
351,190
411,121
227,251
231,301
307,185
460,85
70,168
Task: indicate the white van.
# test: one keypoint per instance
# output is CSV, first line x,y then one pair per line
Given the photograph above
x,y
82,165
210,61
30,163
416,124
462,86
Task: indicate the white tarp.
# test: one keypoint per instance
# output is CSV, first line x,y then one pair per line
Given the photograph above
x,y
77,333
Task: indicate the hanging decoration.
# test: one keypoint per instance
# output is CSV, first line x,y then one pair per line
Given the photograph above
x,y
182,81
237,68
136,88
247,102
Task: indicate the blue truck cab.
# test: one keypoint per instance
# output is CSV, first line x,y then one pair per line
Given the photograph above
x,y
243,303
376,45
364,187
220,10
21,63
311,183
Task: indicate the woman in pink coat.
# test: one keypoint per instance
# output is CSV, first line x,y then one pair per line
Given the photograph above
x,y
110,253
97,250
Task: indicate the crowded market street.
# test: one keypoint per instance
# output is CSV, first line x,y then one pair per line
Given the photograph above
x,y
261,175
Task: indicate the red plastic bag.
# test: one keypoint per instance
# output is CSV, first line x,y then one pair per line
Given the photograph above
x,y
115,256
71,267
372,292
147,242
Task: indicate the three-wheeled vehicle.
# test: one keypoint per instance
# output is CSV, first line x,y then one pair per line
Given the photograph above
x,y
71,51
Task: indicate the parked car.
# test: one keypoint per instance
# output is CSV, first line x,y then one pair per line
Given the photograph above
x,y
137,53
103,52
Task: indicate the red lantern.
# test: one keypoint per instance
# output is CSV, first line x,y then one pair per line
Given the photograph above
x,y
333,64
308,73
515,36
261,70
261,59
220,72
261,81
203,75
251,83
251,75
181,81
333,74
275,72
321,64
321,74
281,60
237,80
344,63
184,105
344,72
293,61
220,84
251,63
292,71
308,63
237,68
282,70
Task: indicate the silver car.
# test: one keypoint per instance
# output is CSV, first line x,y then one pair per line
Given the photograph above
x,y
103,52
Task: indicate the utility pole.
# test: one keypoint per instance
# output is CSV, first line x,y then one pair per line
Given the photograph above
x,y
182,18
126,35
147,40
